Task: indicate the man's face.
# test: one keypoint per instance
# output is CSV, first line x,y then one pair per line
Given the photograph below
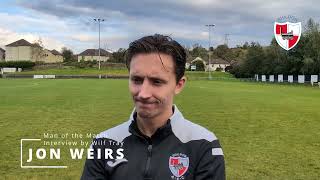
x,y
153,84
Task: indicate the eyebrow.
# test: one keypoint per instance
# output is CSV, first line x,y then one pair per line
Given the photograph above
x,y
149,77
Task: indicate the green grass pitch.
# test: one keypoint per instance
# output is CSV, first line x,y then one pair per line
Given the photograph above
x,y
267,131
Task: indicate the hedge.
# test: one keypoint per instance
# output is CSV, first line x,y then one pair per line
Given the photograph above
x,y
17,64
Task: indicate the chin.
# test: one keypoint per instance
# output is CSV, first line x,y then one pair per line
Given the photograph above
x,y
146,113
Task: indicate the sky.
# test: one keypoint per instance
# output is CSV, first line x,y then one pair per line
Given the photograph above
x,y
69,23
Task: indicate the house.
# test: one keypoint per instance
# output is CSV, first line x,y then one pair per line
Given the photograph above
x,y
93,54
216,64
52,56
2,54
22,50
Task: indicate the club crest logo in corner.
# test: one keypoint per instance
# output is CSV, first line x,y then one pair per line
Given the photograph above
x,y
178,164
287,31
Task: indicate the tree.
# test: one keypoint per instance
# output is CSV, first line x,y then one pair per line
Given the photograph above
x,y
303,58
254,61
307,67
199,51
224,52
276,57
245,45
37,50
67,55
311,46
199,65
118,56
221,51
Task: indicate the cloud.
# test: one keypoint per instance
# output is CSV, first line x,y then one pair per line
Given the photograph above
x,y
71,21
7,37
83,37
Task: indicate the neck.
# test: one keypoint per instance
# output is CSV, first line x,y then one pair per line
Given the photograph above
x,y
148,126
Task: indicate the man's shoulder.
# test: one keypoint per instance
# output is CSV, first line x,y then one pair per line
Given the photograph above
x,y
117,133
187,131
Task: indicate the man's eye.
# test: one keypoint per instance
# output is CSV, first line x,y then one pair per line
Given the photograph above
x,y
157,82
136,80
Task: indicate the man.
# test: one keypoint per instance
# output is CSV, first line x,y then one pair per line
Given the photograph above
x,y
158,142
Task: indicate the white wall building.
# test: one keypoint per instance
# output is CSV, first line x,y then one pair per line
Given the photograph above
x,y
93,54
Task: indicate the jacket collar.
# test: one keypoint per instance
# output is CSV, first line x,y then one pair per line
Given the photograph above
x,y
161,132
176,116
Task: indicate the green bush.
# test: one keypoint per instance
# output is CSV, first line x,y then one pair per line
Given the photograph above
x,y
81,64
86,64
219,69
18,64
68,63
94,62
199,66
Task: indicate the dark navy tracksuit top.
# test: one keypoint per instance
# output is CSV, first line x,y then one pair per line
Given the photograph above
x,y
180,150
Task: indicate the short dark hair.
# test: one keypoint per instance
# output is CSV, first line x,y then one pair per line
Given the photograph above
x,y
159,44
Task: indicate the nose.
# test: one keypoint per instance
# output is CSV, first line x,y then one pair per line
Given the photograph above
x,y
145,90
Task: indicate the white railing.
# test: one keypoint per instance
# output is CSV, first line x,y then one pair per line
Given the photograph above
x,y
280,78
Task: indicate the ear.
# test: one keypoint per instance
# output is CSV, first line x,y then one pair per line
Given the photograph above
x,y
180,85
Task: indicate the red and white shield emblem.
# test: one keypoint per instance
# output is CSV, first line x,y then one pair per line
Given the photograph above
x,y
178,164
287,34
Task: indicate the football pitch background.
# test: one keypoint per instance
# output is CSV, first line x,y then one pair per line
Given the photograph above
x,y
267,131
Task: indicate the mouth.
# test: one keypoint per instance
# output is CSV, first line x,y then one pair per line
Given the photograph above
x,y
145,104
